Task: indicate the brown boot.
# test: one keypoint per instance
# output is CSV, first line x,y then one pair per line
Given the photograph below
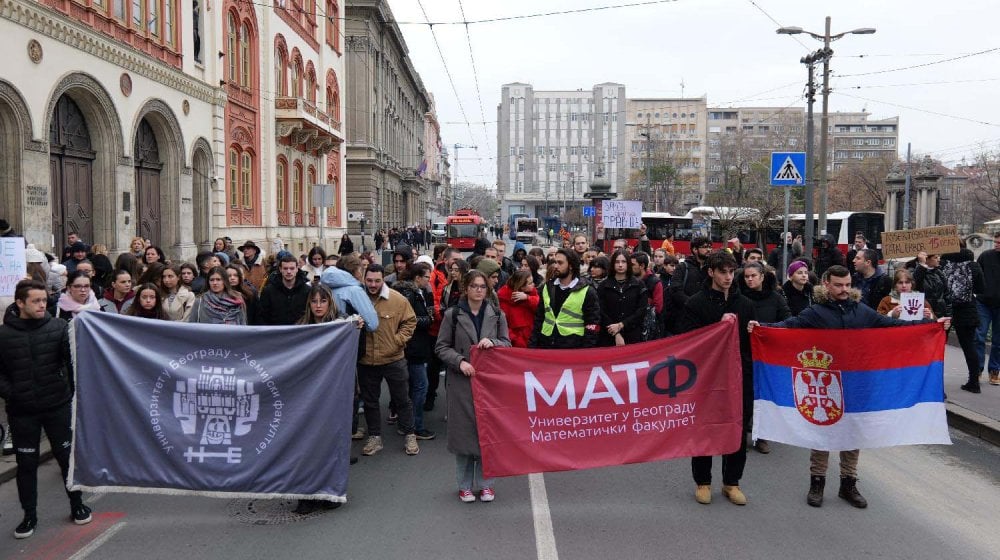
x,y
849,492
816,486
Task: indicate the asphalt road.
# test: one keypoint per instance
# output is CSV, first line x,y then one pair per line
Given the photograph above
x,y
926,502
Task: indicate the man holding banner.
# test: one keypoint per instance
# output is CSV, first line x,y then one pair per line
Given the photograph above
x,y
704,308
881,400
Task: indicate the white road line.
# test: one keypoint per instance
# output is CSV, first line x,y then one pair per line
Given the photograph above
x,y
545,538
96,543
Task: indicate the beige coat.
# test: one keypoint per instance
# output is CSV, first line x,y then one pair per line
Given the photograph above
x,y
179,307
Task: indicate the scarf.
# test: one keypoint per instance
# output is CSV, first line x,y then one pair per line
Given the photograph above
x,y
67,303
221,309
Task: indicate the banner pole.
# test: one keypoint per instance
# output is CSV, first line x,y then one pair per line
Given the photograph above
x,y
783,242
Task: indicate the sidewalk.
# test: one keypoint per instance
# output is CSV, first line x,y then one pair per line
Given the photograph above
x,y
977,415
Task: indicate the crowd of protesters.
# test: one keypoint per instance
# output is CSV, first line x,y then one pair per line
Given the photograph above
x,y
422,314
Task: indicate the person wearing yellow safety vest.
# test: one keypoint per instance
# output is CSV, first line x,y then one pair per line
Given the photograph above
x,y
570,314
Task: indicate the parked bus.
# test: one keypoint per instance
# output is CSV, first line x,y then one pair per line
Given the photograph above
x,y
719,224
512,225
841,225
527,230
463,228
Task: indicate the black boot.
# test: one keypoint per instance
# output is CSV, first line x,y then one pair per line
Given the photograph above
x,y
849,492
816,486
973,385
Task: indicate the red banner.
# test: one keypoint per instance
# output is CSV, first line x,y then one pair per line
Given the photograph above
x,y
558,410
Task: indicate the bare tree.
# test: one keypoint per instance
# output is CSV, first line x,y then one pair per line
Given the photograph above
x,y
859,185
984,185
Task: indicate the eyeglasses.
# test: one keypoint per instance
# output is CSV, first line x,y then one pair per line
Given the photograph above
x,y
477,286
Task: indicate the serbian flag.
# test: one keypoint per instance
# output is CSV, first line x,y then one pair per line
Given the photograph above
x,y
557,410
850,389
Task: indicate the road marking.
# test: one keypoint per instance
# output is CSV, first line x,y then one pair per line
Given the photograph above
x,y
96,543
545,538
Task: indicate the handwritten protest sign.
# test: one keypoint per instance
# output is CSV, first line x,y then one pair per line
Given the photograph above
x,y
13,267
936,240
621,213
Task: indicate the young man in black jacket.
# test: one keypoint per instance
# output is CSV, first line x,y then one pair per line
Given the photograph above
x,y
36,382
283,300
718,297
416,290
689,277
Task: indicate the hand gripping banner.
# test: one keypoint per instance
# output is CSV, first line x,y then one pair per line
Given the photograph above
x,y
838,390
558,410
212,410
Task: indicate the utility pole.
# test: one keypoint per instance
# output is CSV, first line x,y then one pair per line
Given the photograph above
x,y
906,192
824,125
827,38
649,168
809,61
454,188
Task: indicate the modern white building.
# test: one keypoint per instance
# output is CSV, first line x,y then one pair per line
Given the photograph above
x,y
175,121
552,144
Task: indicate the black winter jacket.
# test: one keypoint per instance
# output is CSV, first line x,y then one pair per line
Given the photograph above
x,y
36,370
934,285
591,318
879,286
688,279
797,300
827,255
279,305
708,307
989,261
622,302
420,348
768,304
849,314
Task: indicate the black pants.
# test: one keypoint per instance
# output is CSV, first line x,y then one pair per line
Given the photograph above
x,y
26,434
434,367
732,466
397,377
967,340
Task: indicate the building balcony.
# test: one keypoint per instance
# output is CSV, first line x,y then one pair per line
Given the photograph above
x,y
304,124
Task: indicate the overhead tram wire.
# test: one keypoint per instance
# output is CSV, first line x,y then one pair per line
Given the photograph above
x,y
451,80
475,76
774,21
488,20
934,83
924,65
918,109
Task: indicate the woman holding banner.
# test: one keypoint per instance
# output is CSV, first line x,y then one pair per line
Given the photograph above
x,y
472,323
221,304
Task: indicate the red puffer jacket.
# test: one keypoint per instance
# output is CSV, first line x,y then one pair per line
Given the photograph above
x,y
520,315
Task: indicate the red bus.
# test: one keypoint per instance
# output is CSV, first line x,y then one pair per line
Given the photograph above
x,y
841,225
463,228
718,223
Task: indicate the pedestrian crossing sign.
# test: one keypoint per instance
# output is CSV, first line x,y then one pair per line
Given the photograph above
x,y
788,169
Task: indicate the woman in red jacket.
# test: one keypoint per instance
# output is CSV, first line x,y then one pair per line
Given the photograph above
x,y
518,301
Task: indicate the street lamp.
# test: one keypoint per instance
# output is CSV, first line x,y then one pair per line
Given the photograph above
x,y
827,38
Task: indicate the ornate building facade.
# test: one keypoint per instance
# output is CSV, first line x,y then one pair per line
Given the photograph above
x,y
170,120
388,154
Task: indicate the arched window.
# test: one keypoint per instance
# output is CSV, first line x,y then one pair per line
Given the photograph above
x,y
310,181
296,90
280,66
245,56
332,24
234,173
297,193
281,185
332,95
246,184
310,92
231,47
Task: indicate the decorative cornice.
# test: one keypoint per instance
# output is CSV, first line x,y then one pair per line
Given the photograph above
x,y
51,24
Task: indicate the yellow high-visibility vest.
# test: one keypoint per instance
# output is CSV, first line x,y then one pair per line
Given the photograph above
x,y
569,322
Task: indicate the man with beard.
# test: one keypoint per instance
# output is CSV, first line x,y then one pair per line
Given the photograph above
x,y
570,314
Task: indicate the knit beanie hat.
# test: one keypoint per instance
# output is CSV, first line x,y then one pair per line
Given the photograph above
x,y
795,266
488,266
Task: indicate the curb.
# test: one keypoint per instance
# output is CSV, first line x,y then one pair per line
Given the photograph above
x,y
8,469
973,423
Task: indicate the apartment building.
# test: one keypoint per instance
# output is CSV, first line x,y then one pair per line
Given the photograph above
x,y
552,144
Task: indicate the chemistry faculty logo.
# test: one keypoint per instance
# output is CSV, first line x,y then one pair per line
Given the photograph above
x,y
819,393
214,406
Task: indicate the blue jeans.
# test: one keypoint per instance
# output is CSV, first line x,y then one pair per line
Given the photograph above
x,y
469,471
418,392
988,316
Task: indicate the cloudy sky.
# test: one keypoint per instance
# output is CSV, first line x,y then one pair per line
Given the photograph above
x,y
926,64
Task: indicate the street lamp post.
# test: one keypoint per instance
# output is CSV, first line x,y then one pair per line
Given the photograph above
x,y
827,38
